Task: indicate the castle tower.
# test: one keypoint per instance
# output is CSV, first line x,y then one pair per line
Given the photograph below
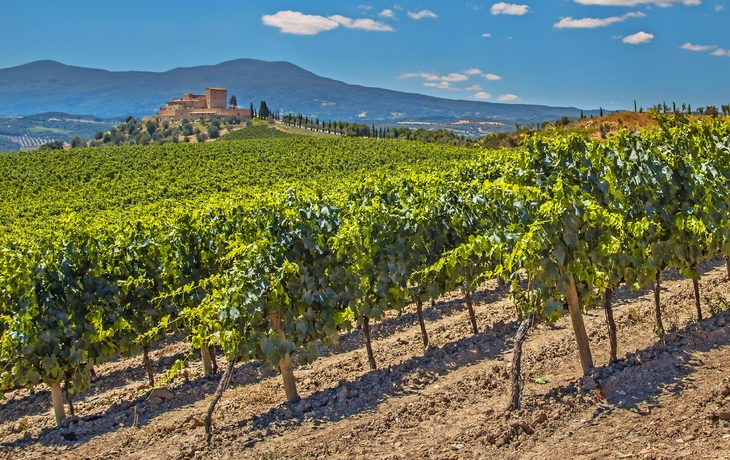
x,y
216,98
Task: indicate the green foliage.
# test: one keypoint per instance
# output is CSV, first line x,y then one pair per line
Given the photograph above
x,y
53,145
269,248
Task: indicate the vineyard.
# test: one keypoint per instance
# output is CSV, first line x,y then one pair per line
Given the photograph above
x,y
276,256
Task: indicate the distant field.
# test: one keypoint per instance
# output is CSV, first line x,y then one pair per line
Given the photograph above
x,y
45,129
259,131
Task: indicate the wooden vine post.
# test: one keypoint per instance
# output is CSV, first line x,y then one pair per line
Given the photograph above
x,y
57,400
285,363
576,317
207,362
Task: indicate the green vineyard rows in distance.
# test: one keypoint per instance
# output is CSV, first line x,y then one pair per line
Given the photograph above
x,y
41,189
264,248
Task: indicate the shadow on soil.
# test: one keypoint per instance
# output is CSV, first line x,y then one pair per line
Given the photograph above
x,y
364,394
375,387
640,378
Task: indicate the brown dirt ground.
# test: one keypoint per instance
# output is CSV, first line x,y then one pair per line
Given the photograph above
x,y
663,401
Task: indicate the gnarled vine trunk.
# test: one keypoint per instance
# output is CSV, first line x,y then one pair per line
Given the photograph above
x,y
222,385
608,308
657,306
516,381
470,307
368,345
424,333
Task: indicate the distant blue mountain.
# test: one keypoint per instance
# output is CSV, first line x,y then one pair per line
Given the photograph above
x,y
49,86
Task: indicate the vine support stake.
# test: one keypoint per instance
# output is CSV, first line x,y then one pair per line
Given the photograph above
x,y
57,400
207,362
727,266
576,317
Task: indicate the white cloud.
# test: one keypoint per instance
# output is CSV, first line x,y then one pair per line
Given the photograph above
x,y
507,97
592,23
294,22
473,72
486,35
720,52
452,77
442,85
638,38
472,6
492,77
719,7
364,24
427,76
422,14
482,95
637,2
509,8
691,47
365,7
474,88
455,77
386,14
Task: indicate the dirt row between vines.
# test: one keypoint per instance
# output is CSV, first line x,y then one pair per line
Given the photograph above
x,y
664,400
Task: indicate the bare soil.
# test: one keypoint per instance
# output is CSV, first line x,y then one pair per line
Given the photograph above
x,y
664,400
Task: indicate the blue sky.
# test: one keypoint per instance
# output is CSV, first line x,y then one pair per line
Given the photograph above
x,y
584,53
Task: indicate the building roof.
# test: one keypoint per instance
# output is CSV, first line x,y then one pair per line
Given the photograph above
x,y
218,89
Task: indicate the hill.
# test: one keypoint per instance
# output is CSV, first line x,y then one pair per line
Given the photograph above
x,y
30,131
46,86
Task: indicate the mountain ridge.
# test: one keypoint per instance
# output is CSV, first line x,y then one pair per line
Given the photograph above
x,y
51,86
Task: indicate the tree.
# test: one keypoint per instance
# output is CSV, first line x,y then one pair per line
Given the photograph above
x,y
213,131
252,112
76,142
232,102
264,110
711,110
53,145
151,127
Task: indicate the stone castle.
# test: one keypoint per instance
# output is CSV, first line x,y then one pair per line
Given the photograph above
x,y
191,106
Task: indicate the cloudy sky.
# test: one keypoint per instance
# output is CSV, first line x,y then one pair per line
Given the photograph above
x,y
584,53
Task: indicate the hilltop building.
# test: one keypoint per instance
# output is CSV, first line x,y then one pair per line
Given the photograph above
x,y
212,104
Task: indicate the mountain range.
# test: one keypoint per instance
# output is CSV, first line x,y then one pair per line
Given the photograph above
x,y
49,86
